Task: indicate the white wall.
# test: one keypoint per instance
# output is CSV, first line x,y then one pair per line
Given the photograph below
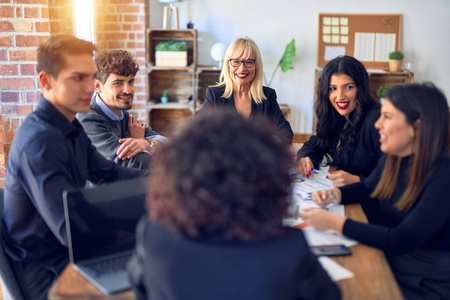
x,y
272,24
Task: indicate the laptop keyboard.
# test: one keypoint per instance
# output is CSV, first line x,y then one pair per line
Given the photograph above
x,y
110,265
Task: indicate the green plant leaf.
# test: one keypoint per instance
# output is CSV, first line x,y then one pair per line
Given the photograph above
x,y
172,45
288,57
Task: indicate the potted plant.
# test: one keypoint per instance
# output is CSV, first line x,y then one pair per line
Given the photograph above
x,y
171,54
381,92
395,61
285,62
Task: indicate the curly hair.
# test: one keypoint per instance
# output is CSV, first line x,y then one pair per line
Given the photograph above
x,y
118,62
329,122
222,175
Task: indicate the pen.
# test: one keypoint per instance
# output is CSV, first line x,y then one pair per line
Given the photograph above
x,y
319,172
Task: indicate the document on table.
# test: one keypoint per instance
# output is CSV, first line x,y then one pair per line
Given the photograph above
x,y
302,188
334,270
301,198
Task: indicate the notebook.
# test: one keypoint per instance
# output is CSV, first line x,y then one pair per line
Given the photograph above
x,y
101,223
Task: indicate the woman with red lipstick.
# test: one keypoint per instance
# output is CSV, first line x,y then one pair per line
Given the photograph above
x,y
412,184
346,113
240,88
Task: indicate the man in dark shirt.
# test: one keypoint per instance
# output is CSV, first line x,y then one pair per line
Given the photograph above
x,y
51,153
116,134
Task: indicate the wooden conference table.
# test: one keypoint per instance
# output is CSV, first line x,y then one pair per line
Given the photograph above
x,y
372,279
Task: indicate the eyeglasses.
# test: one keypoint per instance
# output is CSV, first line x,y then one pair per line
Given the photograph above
x,y
248,63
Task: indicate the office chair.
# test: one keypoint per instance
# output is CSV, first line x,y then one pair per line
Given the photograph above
x,y
10,287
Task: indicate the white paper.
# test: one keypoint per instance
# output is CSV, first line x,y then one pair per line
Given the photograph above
x,y
333,51
334,270
385,44
329,237
344,39
327,38
326,21
364,46
326,29
335,39
344,29
344,21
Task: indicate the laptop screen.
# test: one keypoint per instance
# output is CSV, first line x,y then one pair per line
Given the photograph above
x,y
101,220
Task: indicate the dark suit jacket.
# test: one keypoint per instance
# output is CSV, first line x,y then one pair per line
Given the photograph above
x,y
268,108
364,155
169,265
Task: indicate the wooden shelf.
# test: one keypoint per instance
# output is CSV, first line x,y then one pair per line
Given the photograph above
x,y
205,76
155,36
179,84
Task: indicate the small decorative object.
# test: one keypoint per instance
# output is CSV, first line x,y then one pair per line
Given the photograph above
x,y
218,53
381,92
171,54
190,25
285,62
164,97
395,61
170,19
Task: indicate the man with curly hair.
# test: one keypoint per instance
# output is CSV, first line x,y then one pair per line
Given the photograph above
x,y
116,133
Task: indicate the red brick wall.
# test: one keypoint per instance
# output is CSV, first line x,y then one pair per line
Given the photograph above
x,y
23,25
121,24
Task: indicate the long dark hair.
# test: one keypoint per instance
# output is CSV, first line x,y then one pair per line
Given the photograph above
x,y
329,122
426,103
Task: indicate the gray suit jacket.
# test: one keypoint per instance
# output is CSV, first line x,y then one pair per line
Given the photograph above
x,y
105,134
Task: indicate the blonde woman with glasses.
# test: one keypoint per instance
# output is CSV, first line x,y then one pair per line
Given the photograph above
x,y
240,88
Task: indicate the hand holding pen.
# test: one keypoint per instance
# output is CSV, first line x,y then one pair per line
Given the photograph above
x,y
326,197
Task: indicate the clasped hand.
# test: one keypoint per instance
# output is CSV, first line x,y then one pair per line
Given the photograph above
x,y
135,142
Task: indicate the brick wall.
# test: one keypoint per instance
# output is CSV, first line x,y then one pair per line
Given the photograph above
x,y
23,25
121,24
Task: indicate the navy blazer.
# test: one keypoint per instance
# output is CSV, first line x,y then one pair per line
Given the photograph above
x,y
169,265
268,108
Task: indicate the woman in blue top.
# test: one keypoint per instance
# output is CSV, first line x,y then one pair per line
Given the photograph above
x,y
345,134
412,184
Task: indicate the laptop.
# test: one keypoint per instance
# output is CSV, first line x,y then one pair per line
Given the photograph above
x,y
101,223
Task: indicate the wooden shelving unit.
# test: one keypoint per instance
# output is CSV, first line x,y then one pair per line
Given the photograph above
x,y
168,119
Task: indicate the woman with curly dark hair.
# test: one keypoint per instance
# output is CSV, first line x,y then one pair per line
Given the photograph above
x,y
217,198
345,133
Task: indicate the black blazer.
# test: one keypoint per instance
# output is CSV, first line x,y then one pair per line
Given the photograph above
x,y
169,265
364,155
268,108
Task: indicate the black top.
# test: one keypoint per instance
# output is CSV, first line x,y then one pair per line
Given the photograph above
x,y
169,265
268,108
426,225
48,155
365,154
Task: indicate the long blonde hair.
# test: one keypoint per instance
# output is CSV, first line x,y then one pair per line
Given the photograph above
x,y
426,108
246,48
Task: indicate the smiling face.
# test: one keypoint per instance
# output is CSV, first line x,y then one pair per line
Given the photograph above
x,y
70,92
242,76
342,94
117,92
396,134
